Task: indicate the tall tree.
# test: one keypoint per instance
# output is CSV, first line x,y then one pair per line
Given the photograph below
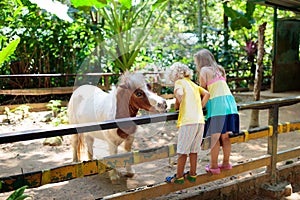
x,y
254,121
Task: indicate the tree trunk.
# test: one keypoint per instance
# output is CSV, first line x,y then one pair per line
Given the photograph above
x,y
254,122
200,20
226,28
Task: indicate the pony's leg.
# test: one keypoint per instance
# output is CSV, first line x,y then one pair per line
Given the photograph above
x,y
128,146
113,174
74,142
89,142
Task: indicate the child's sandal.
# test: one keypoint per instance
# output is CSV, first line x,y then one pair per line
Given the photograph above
x,y
212,171
190,178
173,179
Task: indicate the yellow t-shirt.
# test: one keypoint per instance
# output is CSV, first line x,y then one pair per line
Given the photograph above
x,y
190,109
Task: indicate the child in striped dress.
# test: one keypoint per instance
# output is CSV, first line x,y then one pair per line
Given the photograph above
x,y
190,121
222,115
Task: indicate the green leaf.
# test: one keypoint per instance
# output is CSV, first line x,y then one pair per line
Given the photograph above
x,y
18,193
18,2
7,51
22,197
250,9
233,14
90,3
158,3
126,3
18,11
238,19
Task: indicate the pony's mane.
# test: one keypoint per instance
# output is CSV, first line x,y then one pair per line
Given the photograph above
x,y
132,80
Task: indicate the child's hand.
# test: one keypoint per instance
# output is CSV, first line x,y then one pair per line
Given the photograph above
x,y
204,111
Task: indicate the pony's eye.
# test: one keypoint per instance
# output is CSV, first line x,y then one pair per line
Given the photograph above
x,y
139,93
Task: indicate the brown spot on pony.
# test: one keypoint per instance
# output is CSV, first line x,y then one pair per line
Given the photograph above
x,y
89,103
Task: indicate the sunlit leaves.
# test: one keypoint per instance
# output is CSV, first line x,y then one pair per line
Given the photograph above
x,y
89,3
7,51
126,3
238,18
158,4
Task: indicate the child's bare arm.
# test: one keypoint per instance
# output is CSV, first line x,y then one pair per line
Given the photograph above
x,y
178,95
177,104
205,97
203,78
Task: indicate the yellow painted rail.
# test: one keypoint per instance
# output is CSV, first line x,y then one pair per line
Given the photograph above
x,y
87,168
160,189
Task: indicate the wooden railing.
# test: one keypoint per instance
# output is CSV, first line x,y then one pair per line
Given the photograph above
x,y
103,83
36,179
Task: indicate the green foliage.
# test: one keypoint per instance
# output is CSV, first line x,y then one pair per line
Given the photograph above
x,y
55,106
120,35
19,194
24,109
126,27
240,19
59,113
48,44
7,51
61,117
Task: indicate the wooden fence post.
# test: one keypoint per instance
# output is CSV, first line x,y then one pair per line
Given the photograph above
x,y
272,142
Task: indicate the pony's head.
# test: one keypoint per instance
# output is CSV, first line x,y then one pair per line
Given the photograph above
x,y
133,94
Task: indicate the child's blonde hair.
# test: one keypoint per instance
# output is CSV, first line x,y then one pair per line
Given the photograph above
x,y
179,71
205,58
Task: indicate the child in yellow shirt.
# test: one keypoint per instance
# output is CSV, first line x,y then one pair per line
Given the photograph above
x,y
190,121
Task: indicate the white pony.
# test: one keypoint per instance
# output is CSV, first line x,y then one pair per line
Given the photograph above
x,y
89,103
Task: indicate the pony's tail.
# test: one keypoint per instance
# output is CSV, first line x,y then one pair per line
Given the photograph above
x,y
80,145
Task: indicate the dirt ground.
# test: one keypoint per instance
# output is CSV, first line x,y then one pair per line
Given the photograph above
x,y
32,155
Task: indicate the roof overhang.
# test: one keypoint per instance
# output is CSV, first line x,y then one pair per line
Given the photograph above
x,y
292,5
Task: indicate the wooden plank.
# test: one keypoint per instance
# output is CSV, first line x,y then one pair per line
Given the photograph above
x,y
53,175
55,75
39,91
167,96
87,168
44,91
156,190
67,172
269,103
237,139
142,156
259,134
34,107
288,154
294,126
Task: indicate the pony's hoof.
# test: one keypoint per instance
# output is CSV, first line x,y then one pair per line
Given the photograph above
x,y
129,175
115,181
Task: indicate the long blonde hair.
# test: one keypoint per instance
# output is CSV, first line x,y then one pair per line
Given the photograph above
x,y
204,58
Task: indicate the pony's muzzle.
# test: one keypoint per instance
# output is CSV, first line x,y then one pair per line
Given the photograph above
x,y
162,106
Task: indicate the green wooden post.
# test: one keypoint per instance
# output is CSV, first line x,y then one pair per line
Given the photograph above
x,y
272,143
